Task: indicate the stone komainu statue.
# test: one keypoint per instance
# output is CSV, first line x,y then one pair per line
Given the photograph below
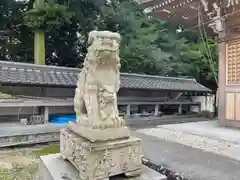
x,y
95,100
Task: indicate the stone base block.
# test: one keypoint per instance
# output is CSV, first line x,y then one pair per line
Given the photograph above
x,y
94,135
101,160
53,167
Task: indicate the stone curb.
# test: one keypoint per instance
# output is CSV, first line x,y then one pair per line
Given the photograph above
x,y
162,170
160,121
29,139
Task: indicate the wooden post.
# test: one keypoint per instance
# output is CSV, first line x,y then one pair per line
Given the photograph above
x,y
39,41
156,112
180,109
199,108
46,115
222,77
128,110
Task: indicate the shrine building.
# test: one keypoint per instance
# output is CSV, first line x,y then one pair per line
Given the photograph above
x,y
221,18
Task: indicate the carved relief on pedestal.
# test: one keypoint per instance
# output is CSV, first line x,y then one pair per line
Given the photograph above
x,y
109,163
74,150
101,160
233,62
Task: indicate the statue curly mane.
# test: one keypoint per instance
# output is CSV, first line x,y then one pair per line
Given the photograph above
x,y
95,100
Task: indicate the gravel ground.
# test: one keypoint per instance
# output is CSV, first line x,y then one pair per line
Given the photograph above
x,y
217,146
191,163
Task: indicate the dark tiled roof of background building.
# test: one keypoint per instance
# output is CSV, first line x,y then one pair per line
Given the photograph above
x,y
31,74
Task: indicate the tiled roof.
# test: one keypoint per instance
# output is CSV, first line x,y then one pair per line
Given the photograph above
x,y
160,82
31,74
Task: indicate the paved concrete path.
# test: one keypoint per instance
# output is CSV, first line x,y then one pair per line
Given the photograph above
x,y
189,162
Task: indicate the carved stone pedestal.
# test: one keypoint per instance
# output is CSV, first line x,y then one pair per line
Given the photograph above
x,y
101,159
53,167
95,135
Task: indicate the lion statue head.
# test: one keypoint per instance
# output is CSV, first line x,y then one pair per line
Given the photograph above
x,y
104,47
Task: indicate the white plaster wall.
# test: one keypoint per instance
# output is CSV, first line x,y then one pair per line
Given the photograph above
x,y
207,103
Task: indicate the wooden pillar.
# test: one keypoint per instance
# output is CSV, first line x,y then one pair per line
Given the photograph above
x,y
39,41
128,110
46,115
180,109
222,77
156,112
199,108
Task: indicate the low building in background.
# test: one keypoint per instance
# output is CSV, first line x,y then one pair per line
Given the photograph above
x,y
38,92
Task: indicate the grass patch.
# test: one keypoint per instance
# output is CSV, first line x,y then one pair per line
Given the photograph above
x,y
4,95
19,172
53,149
23,164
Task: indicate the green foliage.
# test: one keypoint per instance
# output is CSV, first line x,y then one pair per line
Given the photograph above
x,y
206,67
139,52
148,45
4,95
47,15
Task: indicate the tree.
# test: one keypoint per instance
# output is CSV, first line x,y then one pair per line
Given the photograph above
x,y
11,28
148,46
139,51
206,67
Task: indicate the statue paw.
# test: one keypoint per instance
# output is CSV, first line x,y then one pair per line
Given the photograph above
x,y
96,125
119,122
78,121
122,122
